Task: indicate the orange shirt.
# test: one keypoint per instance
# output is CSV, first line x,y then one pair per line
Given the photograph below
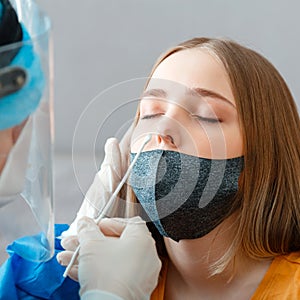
x,y
281,281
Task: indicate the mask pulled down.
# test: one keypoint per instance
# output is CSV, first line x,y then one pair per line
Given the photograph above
x,y
185,196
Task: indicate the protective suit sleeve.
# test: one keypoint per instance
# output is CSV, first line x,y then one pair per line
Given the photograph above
x,y
99,295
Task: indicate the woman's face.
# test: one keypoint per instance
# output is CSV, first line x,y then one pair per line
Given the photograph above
x,y
189,107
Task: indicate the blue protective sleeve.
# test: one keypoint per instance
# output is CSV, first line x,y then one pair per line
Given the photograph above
x,y
21,279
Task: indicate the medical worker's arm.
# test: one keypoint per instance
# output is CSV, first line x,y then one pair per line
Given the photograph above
x,y
121,258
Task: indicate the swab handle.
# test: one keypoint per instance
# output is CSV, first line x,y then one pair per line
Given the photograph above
x,y
110,201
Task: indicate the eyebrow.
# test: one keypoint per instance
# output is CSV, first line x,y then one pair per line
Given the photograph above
x,y
191,92
154,92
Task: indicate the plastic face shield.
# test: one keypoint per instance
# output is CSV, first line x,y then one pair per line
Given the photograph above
x,y
26,138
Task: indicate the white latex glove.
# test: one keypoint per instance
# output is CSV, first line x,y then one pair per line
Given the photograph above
x,y
127,266
105,182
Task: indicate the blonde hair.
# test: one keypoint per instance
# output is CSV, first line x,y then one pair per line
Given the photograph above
x,y
268,199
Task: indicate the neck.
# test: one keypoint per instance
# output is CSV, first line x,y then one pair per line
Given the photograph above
x,y
190,256
191,261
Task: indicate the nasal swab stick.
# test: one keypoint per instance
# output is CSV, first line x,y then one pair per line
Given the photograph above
x,y
111,200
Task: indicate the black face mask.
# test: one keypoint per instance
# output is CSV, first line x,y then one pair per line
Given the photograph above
x,y
185,196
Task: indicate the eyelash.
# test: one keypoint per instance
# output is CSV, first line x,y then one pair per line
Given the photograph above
x,y
208,120
147,117
202,119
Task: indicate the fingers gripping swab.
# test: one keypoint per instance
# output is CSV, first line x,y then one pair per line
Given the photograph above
x,y
111,200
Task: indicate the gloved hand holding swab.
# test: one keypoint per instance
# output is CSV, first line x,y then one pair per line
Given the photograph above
x,y
110,201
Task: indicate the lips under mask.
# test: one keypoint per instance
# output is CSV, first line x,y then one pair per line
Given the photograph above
x,y
185,196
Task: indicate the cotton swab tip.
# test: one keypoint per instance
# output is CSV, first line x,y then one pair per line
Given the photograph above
x,y
148,138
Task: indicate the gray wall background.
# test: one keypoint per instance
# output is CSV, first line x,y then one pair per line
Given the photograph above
x,y
98,44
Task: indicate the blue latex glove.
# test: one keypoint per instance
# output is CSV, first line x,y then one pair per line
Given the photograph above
x,y
21,279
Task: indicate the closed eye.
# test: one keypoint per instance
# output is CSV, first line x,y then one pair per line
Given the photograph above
x,y
147,117
207,120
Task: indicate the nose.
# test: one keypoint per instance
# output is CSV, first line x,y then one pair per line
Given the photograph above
x,y
167,139
169,129
168,133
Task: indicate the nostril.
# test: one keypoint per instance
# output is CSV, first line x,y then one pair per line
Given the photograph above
x,y
170,139
159,139
165,138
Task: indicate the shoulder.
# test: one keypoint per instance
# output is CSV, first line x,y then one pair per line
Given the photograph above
x,y
282,280
287,266
292,258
